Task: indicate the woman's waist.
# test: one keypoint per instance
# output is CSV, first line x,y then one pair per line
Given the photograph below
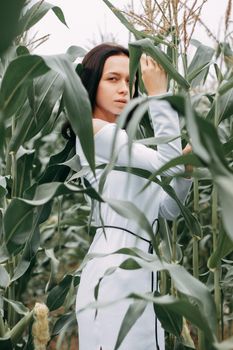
x,y
110,238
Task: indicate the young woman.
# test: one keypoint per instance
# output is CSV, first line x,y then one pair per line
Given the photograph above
x,y
106,77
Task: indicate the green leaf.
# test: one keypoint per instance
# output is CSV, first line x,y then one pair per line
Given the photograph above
x,y
62,322
29,251
24,168
138,34
133,252
2,135
120,124
195,302
4,254
145,45
54,269
130,211
198,73
10,11
77,104
191,220
210,140
195,133
225,107
17,306
132,315
107,272
6,344
132,126
228,146
47,90
22,50
225,86
217,164
170,321
177,102
224,247
76,51
225,190
35,13
46,192
73,163
18,75
4,277
58,294
153,141
218,72
3,190
193,288
185,308
166,244
18,221
188,286
55,171
18,229
200,63
17,331
129,264
180,306
226,50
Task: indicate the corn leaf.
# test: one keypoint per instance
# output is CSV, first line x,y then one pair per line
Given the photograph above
x,y
35,13
138,34
146,45
199,66
224,247
77,104
133,313
16,79
58,294
10,11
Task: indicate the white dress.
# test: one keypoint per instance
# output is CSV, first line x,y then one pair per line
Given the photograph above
x,y
103,330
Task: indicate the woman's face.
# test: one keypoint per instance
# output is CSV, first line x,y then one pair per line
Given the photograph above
x,y
113,89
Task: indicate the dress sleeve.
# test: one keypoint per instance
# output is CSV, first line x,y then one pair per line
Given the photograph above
x,y
165,122
168,207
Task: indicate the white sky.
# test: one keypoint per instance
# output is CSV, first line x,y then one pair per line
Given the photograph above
x,y
86,18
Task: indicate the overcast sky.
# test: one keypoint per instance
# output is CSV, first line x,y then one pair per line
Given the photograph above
x,y
87,18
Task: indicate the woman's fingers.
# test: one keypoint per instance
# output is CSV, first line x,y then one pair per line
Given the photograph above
x,y
187,149
152,61
147,61
143,62
153,75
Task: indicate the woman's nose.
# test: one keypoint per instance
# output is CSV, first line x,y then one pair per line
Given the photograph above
x,y
124,87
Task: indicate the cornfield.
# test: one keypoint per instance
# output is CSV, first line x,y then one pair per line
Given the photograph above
x,y
45,221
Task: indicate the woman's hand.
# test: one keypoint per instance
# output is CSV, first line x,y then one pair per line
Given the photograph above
x,y
153,75
187,150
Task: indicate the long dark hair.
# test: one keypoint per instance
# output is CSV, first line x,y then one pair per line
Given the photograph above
x,y
91,72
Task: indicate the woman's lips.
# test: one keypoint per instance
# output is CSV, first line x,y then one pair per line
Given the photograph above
x,y
121,101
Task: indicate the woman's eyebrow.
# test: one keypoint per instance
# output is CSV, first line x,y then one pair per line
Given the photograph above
x,y
114,73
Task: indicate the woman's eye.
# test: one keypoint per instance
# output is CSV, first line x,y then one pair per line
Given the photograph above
x,y
113,79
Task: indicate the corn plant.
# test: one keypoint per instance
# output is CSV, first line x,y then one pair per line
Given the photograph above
x,y
35,94
44,227
208,124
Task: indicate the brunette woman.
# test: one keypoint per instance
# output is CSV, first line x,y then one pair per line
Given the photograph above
x,y
106,77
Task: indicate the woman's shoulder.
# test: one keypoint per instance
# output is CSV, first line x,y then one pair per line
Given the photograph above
x,y
99,124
